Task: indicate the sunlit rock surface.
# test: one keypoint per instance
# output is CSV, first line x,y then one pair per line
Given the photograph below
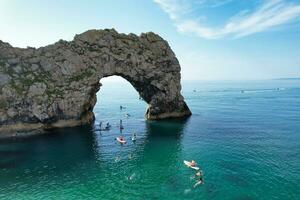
x,y
56,85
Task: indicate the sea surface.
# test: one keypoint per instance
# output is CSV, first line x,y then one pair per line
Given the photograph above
x,y
244,135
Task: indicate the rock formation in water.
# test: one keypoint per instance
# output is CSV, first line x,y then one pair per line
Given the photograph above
x,y
56,85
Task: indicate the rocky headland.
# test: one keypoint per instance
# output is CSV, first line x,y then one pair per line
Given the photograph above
x,y
56,85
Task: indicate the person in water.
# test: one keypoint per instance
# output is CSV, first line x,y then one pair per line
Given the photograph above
x,y
133,137
117,159
199,176
199,182
130,156
121,140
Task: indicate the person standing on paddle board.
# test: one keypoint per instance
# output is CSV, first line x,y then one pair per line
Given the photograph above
x,y
121,125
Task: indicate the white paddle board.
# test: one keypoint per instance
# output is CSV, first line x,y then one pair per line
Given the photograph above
x,y
188,164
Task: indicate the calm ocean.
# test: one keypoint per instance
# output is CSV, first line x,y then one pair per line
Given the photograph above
x,y
245,136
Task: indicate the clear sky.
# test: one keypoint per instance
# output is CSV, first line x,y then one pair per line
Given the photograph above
x,y
213,39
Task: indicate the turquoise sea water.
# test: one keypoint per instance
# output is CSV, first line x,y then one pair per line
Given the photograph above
x,y
247,144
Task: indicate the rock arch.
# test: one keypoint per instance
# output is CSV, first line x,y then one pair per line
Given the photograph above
x,y
56,85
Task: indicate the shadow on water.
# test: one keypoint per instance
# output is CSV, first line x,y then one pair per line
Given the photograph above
x,y
60,147
172,128
74,144
11,158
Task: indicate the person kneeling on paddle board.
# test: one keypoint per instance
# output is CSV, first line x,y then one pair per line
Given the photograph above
x,y
193,163
121,138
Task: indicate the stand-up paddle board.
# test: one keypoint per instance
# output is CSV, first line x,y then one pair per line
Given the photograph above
x,y
121,141
189,164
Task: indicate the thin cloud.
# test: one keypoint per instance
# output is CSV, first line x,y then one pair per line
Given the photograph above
x,y
212,3
269,14
174,8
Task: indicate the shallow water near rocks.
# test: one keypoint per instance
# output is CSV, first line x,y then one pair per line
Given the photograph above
x,y
244,135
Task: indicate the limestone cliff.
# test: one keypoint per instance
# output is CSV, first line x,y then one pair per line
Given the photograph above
x,y
56,85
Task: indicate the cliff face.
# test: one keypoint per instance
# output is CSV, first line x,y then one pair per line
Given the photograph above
x,y
56,85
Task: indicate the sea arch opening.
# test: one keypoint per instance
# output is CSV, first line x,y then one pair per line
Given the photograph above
x,y
118,99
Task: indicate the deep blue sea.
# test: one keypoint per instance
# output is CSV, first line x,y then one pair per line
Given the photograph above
x,y
244,135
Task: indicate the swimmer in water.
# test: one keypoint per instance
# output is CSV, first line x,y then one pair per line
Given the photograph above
x,y
198,174
131,177
130,156
117,159
199,182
